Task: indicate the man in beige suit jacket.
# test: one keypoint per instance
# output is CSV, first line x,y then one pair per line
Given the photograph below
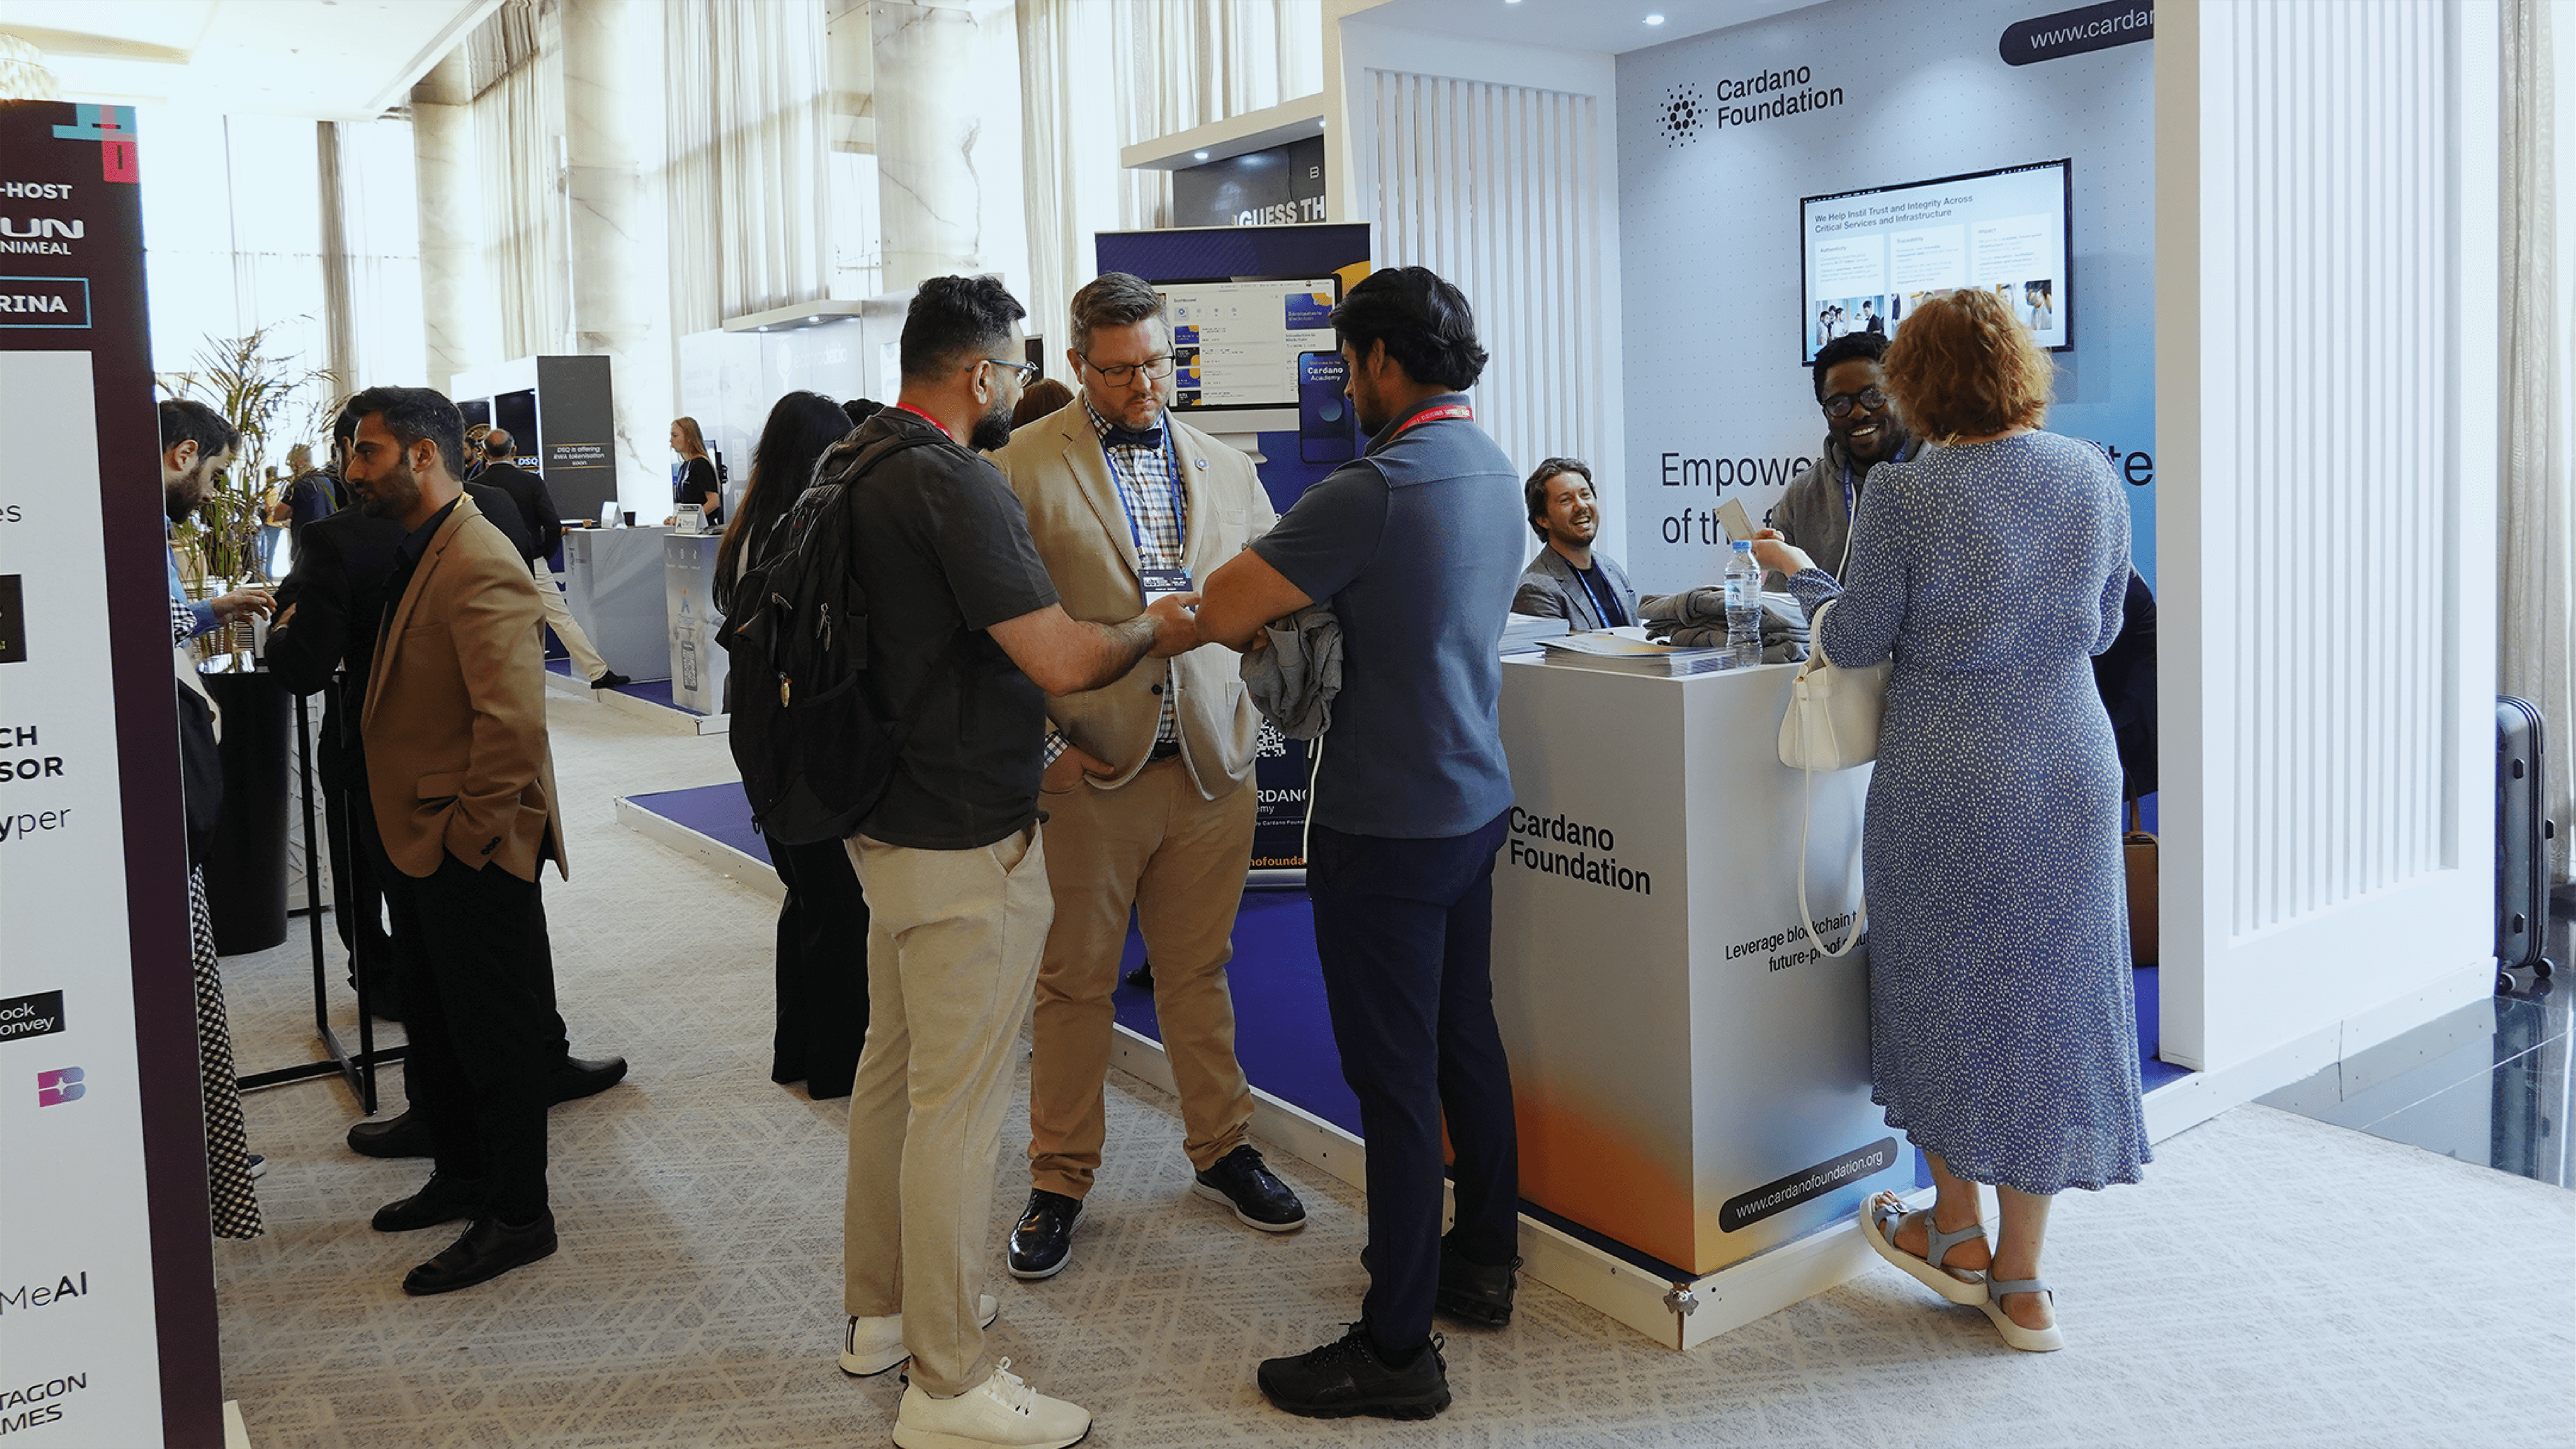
x,y
1148,790
461,778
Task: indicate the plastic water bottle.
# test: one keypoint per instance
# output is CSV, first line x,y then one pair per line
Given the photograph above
x,y
1743,582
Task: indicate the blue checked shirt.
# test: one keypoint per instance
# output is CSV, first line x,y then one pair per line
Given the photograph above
x,y
1149,487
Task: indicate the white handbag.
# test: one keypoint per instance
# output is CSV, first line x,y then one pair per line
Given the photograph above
x,y
1832,724
1833,717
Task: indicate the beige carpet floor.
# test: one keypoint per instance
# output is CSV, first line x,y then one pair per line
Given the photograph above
x,y
2275,1282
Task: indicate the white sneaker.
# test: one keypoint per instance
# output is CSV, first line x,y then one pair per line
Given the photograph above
x,y
1002,1410
876,1344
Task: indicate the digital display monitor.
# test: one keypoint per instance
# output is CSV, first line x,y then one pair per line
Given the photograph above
x,y
1869,257
1236,340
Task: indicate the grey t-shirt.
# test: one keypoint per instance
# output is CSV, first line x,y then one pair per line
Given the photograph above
x,y
1417,547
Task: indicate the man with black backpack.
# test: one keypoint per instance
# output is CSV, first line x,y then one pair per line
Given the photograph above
x,y
961,640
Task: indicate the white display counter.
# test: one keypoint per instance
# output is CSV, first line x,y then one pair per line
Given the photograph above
x,y
690,620
1691,1075
613,582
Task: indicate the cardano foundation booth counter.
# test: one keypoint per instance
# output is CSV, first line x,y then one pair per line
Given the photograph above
x,y
1691,1071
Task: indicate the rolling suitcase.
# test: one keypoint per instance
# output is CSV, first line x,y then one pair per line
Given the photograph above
x,y
2522,836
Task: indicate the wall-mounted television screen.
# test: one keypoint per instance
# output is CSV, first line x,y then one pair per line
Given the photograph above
x,y
1236,340
1871,256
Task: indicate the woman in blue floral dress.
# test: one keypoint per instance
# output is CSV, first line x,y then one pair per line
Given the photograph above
x,y
2003,1035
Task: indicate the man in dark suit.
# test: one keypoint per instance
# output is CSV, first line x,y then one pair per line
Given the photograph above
x,y
461,780
536,507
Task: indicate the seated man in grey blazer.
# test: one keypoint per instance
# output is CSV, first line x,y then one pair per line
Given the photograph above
x,y
1570,579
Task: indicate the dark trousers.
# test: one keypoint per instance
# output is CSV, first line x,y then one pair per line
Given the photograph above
x,y
357,901
358,872
1405,930
478,1003
822,969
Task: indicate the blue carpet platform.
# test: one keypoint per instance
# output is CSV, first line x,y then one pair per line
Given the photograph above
x,y
1282,1031
645,698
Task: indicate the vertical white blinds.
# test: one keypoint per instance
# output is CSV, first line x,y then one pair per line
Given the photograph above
x,y
2344,735
1498,189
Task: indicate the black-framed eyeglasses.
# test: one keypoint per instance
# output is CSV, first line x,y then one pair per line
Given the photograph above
x,y
1028,371
1156,368
1840,404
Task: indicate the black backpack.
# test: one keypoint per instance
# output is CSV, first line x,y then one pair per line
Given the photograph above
x,y
815,755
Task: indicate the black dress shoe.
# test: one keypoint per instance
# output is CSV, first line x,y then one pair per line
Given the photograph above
x,y
1258,1197
403,1136
1043,1237
1351,1376
487,1251
574,1078
610,679
1474,1292
442,1199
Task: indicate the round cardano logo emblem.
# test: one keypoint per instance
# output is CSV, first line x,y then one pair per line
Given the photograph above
x,y
1681,115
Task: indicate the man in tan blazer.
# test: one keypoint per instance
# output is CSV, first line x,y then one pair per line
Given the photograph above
x,y
461,779
1148,787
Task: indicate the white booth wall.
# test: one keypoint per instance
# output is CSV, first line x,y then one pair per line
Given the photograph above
x,y
2326,754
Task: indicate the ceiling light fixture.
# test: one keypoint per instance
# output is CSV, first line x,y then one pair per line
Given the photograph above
x,y
1201,155
1654,20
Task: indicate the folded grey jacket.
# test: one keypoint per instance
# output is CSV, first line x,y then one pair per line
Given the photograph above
x,y
1293,681
1684,620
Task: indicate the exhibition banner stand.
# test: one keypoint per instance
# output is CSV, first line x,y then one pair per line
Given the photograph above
x,y
105,1238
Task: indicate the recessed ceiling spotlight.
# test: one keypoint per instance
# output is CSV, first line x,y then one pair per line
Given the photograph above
x,y
1201,155
1654,20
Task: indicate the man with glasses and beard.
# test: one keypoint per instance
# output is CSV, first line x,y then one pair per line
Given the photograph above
x,y
1861,432
1148,785
965,641
460,776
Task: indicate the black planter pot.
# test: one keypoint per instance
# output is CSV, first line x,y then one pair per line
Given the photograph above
x,y
246,859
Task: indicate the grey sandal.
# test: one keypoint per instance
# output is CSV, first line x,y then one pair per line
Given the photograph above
x,y
2028,1340
1884,1215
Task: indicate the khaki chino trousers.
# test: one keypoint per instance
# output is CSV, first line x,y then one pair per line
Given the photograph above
x,y
953,943
1153,844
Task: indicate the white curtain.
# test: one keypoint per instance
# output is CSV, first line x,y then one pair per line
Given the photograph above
x,y
2536,503
1099,75
515,64
380,230
748,112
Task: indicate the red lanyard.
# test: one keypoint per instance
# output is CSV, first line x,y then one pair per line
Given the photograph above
x,y
1428,415
927,418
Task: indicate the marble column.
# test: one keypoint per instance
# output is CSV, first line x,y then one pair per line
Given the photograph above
x,y
443,162
618,304
930,124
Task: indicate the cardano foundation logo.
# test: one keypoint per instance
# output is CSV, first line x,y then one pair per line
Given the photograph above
x,y
1681,115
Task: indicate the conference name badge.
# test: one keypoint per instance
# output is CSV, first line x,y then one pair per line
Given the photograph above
x,y
1159,582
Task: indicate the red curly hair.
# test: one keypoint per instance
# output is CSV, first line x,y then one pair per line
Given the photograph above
x,y
1964,365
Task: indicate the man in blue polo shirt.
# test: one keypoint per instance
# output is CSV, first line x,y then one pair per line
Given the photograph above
x,y
1416,545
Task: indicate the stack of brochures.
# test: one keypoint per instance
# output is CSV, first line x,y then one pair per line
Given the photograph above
x,y
1524,632
1624,655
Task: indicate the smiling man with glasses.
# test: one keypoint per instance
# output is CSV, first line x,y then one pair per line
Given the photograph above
x,y
1861,432
1148,786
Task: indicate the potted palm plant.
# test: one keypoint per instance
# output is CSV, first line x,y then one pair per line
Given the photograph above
x,y
269,399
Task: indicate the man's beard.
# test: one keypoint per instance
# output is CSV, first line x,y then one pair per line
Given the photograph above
x,y
180,502
992,430
390,494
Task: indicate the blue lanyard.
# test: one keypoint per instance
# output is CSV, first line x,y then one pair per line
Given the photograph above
x,y
1180,500
1600,610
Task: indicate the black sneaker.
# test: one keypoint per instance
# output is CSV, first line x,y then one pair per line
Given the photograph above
x,y
1348,1376
1258,1197
1474,1292
1042,1239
